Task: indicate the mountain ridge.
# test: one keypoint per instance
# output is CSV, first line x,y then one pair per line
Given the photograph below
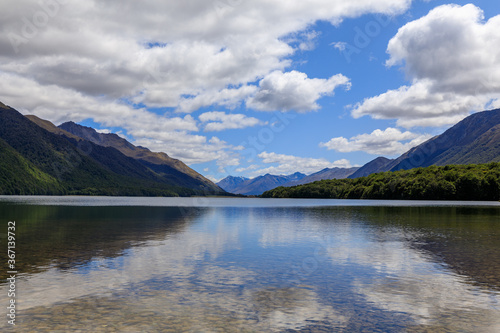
x,y
460,144
159,162
473,182
231,183
260,184
58,163
448,162
377,165
473,140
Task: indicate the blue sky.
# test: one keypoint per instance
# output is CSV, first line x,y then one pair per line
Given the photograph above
x,y
233,87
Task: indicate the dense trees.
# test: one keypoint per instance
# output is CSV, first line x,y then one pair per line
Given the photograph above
x,y
451,182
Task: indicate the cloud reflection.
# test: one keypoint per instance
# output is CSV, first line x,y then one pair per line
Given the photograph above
x,y
223,271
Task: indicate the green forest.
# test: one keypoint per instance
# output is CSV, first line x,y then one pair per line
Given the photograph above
x,y
451,182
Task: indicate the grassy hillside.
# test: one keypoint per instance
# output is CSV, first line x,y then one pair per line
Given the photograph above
x,y
451,182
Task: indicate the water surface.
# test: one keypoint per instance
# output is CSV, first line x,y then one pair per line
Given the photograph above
x,y
253,265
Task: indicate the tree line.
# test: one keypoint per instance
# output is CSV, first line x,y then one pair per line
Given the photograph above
x,y
451,182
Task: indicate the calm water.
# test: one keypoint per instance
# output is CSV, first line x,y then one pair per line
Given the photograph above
x,y
252,265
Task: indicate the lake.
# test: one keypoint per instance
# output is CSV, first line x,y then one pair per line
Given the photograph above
x,y
103,264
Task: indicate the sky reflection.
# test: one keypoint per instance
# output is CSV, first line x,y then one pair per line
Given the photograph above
x,y
262,269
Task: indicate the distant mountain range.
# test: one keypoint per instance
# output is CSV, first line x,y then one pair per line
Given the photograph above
x,y
258,185
231,184
474,140
40,158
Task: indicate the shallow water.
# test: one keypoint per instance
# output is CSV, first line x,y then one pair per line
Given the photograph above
x,y
252,265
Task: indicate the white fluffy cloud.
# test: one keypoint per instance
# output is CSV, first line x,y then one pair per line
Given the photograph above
x,y
159,52
226,97
250,167
90,59
59,104
159,133
293,91
449,57
288,164
391,141
419,105
220,121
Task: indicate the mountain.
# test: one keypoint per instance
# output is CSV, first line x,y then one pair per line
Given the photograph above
x,y
294,177
38,161
328,173
479,182
259,185
379,164
47,125
474,140
54,159
231,183
161,163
